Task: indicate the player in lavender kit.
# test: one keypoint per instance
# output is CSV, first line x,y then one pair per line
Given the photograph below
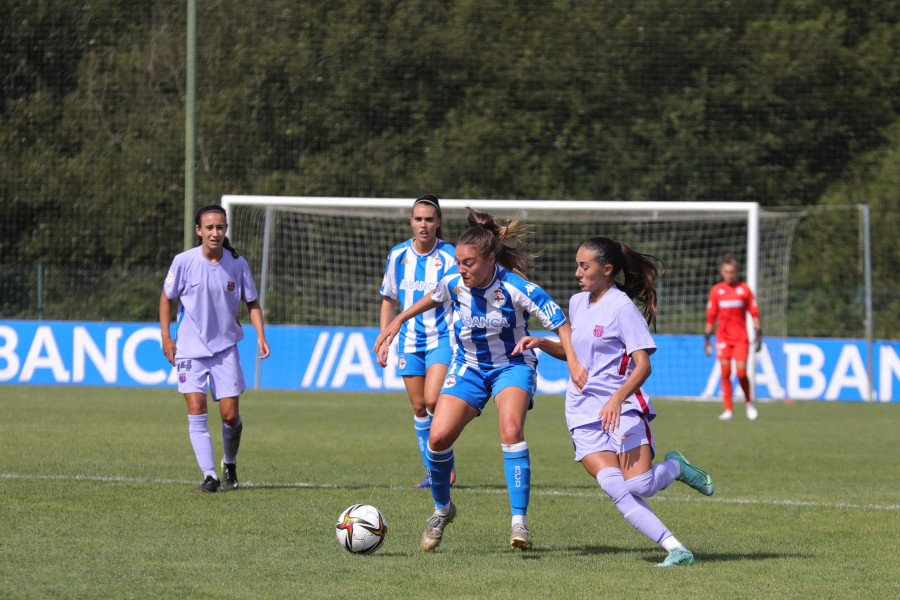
x,y
607,411
492,301
210,284
412,271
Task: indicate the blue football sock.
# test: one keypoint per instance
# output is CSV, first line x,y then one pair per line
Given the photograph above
x,y
517,467
439,465
423,428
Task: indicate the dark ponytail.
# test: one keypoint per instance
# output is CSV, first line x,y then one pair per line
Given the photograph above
x,y
218,209
488,234
639,272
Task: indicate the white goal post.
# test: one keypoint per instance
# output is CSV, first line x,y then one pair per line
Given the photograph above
x,y
320,260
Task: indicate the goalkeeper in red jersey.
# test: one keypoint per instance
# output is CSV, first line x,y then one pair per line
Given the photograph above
x,y
729,302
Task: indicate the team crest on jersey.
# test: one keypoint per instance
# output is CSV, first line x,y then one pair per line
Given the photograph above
x,y
230,286
182,377
497,298
450,381
402,362
438,263
170,277
598,330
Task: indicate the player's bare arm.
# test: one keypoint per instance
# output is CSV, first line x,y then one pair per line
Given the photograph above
x,y
612,410
577,372
561,350
165,322
387,335
256,318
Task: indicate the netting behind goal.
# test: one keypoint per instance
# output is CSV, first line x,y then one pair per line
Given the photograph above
x,y
324,264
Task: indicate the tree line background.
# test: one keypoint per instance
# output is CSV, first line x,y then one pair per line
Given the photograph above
x,y
790,103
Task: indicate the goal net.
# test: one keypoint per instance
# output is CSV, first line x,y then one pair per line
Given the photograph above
x,y
320,261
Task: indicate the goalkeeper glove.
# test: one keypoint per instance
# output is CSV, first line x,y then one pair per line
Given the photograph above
x,y
757,343
707,345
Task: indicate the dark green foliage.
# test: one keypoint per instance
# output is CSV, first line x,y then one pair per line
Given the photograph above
x,y
780,102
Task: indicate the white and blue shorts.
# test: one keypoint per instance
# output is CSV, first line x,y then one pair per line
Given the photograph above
x,y
477,386
417,363
633,431
221,374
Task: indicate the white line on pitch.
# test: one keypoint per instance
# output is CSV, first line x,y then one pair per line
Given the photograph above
x,y
491,490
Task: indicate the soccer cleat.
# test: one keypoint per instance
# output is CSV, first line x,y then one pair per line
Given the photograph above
x,y
431,537
229,476
209,485
520,538
426,484
678,557
752,413
452,475
691,475
726,416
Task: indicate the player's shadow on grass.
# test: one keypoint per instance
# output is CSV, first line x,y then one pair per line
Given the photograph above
x,y
654,556
735,556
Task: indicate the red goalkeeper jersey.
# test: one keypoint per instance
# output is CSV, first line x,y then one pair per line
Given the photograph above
x,y
730,305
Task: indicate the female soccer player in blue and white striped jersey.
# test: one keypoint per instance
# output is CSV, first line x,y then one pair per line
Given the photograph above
x,y
492,302
423,350
210,284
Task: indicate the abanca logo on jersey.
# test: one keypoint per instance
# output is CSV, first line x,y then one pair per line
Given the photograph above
x,y
483,322
418,286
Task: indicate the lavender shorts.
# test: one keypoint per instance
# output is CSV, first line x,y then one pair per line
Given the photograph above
x,y
633,431
221,374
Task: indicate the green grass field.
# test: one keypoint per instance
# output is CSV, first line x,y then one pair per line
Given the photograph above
x,y
96,502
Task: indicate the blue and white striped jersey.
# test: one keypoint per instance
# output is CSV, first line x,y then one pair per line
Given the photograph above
x,y
408,276
490,321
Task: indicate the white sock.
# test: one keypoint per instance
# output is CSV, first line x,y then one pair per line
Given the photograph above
x,y
670,543
519,520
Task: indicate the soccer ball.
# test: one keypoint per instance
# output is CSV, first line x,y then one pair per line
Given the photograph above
x,y
361,529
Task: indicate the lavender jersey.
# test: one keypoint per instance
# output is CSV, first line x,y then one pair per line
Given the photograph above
x,y
408,276
604,336
210,295
490,321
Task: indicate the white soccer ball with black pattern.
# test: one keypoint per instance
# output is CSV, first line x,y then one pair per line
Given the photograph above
x,y
361,529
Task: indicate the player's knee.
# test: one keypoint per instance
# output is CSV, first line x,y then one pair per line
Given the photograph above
x,y
439,440
726,370
511,433
742,374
